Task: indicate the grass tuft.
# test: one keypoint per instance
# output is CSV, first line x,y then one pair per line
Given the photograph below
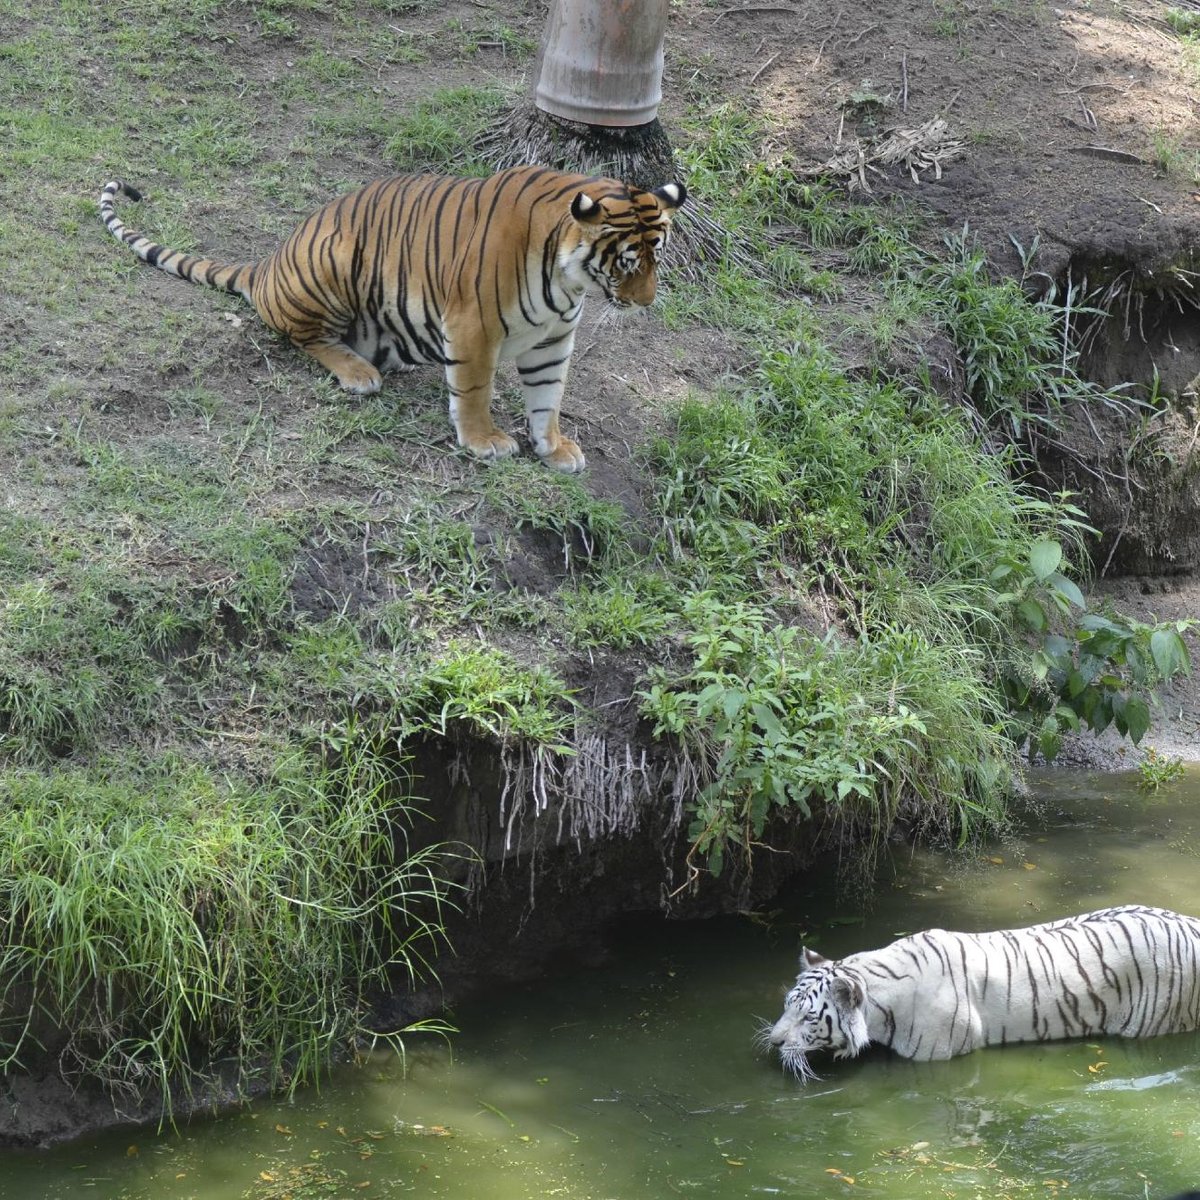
x,y
182,918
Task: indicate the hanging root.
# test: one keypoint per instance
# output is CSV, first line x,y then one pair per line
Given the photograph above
x,y
640,155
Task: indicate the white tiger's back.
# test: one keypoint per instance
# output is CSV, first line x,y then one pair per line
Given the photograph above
x,y
1130,971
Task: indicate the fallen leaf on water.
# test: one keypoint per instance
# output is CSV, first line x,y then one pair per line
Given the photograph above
x,y
919,1146
132,1152
1030,866
266,1176
734,1162
996,860
284,1130
1096,1068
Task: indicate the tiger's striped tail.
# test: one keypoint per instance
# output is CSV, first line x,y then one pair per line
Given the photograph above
x,y
237,278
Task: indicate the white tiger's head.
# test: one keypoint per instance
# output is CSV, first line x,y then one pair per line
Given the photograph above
x,y
825,1010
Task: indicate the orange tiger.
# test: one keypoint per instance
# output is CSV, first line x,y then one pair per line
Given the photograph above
x,y
463,272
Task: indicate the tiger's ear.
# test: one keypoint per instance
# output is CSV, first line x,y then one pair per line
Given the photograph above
x,y
670,196
847,993
586,210
810,958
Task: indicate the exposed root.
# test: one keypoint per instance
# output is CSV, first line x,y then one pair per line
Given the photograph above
x,y
603,790
640,155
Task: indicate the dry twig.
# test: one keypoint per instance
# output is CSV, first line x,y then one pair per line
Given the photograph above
x,y
725,12
754,77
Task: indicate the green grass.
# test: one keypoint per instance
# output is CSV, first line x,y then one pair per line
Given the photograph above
x,y
442,128
178,916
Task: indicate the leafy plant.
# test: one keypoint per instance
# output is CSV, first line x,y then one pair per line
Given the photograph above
x,y
486,691
1156,771
778,720
1086,668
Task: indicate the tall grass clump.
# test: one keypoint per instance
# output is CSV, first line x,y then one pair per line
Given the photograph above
x,y
778,720
181,919
879,610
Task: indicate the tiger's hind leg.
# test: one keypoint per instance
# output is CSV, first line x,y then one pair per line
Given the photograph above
x,y
353,371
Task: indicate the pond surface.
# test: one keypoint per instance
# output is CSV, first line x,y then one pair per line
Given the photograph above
x,y
639,1078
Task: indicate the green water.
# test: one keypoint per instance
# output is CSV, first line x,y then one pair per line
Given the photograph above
x,y
638,1077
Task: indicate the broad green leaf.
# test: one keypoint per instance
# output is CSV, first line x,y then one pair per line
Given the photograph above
x,y
1044,558
1058,647
1137,718
1064,587
1032,614
1067,716
1093,622
1169,652
1049,744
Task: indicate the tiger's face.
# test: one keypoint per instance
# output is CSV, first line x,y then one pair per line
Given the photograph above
x,y
825,1010
621,240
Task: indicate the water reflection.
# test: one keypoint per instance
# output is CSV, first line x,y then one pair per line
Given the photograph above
x,y
640,1077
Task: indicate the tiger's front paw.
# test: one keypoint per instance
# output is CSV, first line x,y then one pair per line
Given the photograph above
x,y
359,380
490,446
566,457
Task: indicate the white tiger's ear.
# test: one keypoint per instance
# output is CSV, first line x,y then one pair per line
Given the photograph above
x,y
847,993
810,958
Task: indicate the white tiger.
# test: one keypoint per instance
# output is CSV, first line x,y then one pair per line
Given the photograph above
x,y
1129,971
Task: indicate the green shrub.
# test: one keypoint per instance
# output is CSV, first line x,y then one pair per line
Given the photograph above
x,y
179,918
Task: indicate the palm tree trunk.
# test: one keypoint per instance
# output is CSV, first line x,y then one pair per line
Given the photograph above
x,y
593,108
